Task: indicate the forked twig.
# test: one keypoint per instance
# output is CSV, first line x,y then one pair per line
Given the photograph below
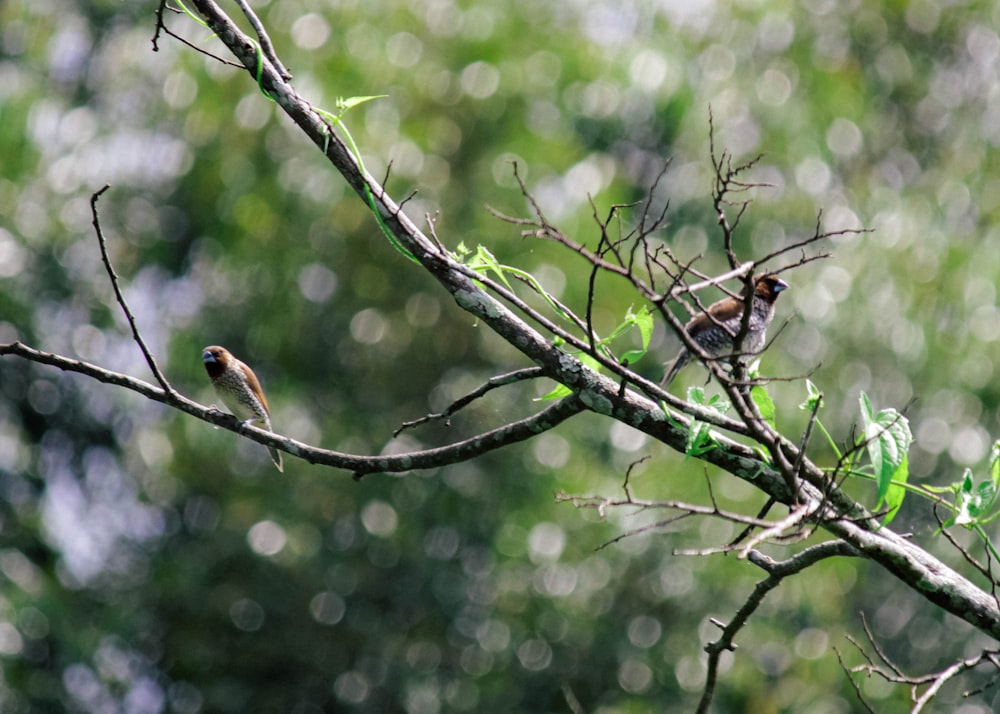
x,y
265,40
490,384
777,571
137,336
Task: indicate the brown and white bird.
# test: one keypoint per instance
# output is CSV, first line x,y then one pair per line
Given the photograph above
x,y
716,328
239,389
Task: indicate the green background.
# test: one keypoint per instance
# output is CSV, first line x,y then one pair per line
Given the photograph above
x,y
152,563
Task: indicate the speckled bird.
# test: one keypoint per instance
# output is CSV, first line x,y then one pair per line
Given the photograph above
x,y
239,389
716,328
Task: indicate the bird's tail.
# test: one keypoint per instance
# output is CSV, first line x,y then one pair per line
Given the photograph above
x,y
276,458
275,454
674,366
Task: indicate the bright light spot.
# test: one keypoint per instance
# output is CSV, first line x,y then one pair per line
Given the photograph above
x,y
493,636
844,137
811,643
369,326
423,698
648,70
627,438
351,687
19,569
635,676
717,62
253,111
247,615
10,639
317,282
12,256
969,444
812,175
404,49
546,542
690,674
774,87
775,33
555,580
179,90
327,608
644,631
442,543
534,655
551,450
480,80
88,341
267,538
379,518
310,31
422,310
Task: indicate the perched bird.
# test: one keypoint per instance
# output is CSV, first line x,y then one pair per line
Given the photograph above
x,y
716,328
239,389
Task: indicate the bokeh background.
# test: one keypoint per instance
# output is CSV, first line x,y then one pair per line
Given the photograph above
x,y
150,563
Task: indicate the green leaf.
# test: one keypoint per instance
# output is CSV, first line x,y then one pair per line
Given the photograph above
x,y
562,390
699,439
888,438
642,321
967,508
814,398
345,105
866,409
483,261
973,503
191,14
765,405
559,392
995,465
896,492
369,196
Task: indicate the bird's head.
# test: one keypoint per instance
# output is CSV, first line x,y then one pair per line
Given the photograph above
x,y
216,359
768,285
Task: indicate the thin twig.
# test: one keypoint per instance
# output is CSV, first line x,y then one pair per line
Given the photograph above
x,y
854,684
777,571
740,271
571,700
150,360
265,40
491,384
792,520
161,26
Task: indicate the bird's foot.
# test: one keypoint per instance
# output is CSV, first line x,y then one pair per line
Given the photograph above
x,y
213,408
244,423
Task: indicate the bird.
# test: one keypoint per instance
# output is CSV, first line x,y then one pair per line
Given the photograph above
x,y
239,389
716,328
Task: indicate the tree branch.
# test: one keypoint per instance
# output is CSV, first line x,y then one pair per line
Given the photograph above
x,y
839,514
836,512
777,571
136,335
511,433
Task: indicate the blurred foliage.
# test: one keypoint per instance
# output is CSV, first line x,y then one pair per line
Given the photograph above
x,y
149,563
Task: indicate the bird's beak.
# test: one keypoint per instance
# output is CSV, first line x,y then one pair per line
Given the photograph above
x,y
780,285
207,357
